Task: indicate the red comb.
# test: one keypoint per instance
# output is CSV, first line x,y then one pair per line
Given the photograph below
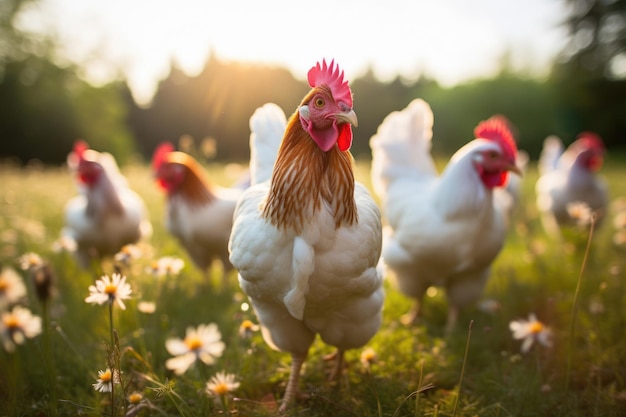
x,y
497,129
590,140
80,146
332,76
159,154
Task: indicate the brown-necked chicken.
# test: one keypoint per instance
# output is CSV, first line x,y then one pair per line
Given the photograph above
x,y
199,213
442,230
306,237
106,214
568,178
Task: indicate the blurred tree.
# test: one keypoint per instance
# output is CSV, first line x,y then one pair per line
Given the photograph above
x,y
217,103
597,38
45,107
590,77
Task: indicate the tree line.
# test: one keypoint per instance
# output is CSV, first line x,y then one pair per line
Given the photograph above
x,y
44,108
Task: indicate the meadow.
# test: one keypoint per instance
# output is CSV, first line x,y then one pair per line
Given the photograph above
x,y
575,289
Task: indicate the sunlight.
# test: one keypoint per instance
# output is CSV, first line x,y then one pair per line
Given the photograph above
x,y
449,40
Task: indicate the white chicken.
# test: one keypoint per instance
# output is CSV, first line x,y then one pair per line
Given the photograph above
x,y
198,213
568,178
106,214
443,230
306,239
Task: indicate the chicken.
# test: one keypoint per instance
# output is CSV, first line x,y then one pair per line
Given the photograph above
x,y
198,213
570,177
442,230
106,214
307,237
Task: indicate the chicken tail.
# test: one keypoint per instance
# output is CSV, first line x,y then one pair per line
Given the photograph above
x,y
267,126
401,146
550,154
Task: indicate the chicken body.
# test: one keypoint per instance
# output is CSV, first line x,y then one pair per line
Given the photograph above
x,y
443,230
106,214
570,177
307,241
199,214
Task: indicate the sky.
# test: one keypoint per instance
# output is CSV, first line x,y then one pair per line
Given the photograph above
x,y
450,40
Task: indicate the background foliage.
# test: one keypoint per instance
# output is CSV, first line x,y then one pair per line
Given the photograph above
x,y
45,106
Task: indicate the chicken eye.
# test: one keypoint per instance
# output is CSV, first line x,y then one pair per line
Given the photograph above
x,y
319,102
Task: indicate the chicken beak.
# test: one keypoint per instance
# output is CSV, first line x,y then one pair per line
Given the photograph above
x,y
348,117
514,169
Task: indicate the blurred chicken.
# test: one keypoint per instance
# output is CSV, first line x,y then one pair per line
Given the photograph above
x,y
443,230
568,178
106,214
198,213
307,238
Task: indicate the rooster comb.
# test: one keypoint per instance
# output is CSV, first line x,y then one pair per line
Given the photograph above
x,y
590,140
332,76
498,129
160,154
80,146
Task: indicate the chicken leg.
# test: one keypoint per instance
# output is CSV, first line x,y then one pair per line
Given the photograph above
x,y
294,380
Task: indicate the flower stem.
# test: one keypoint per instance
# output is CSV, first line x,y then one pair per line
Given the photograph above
x,y
575,304
467,345
112,360
50,370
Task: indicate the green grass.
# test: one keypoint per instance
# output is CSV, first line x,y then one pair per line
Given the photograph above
x,y
417,370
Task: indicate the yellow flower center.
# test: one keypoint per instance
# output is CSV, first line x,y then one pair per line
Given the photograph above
x,y
3,285
536,327
247,325
221,388
369,355
11,322
106,376
135,397
193,343
110,289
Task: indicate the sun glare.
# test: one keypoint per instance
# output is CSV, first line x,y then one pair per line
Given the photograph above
x,y
140,39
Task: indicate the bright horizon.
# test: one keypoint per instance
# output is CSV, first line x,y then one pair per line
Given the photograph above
x,y
451,41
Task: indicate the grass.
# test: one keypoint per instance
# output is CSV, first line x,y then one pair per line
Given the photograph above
x,y
417,371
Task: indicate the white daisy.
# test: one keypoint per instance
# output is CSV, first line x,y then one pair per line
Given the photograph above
x,y
127,254
18,325
64,244
12,288
109,290
247,328
105,381
531,330
203,343
580,212
222,384
166,265
29,261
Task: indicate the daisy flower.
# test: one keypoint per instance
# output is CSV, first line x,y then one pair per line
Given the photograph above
x,y
146,307
246,329
64,244
109,290
166,265
368,356
136,403
531,330
203,343
12,288
105,381
30,261
580,212
127,254
18,325
221,384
